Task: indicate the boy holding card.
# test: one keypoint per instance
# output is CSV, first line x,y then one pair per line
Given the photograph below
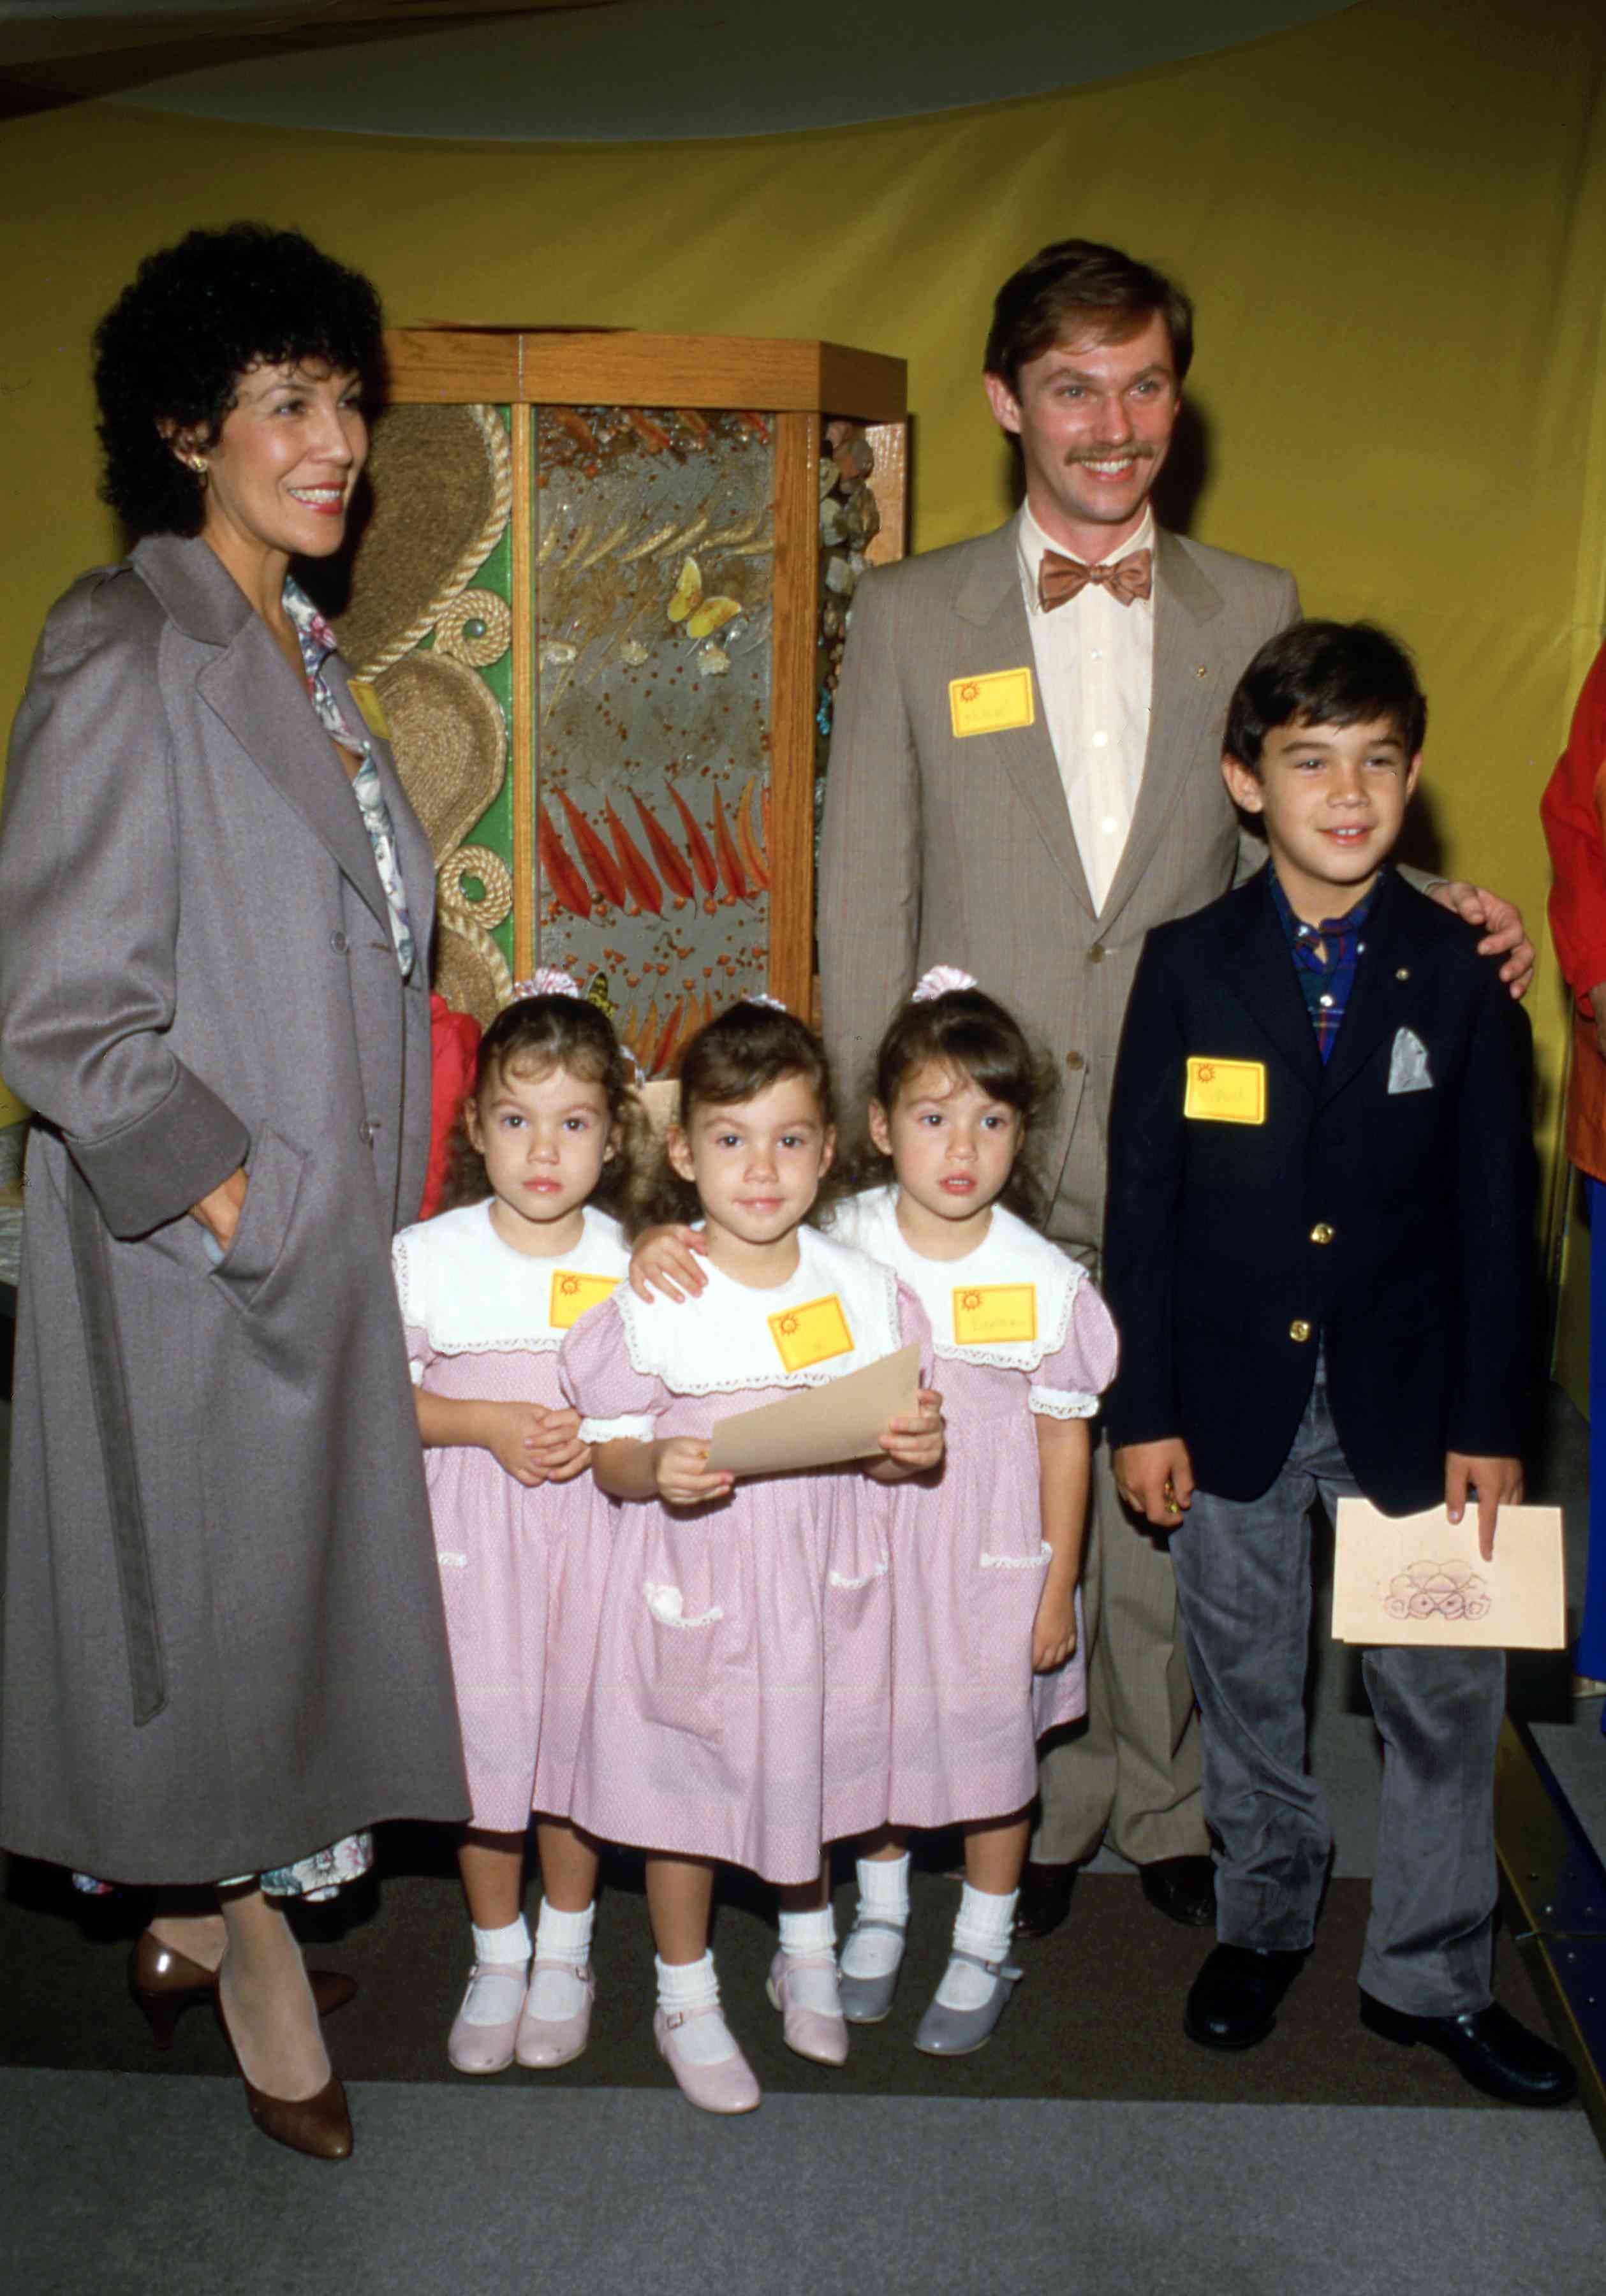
x,y
1317,1252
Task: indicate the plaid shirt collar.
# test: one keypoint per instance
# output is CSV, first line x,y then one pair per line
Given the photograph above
x,y
1326,956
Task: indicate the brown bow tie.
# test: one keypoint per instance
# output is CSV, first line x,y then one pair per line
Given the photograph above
x,y
1059,579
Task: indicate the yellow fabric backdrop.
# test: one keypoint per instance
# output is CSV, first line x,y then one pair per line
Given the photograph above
x,y
1394,223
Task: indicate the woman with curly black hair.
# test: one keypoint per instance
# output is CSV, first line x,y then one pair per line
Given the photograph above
x,y
223,1649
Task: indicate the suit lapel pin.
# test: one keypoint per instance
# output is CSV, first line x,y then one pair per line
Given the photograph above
x,y
1201,671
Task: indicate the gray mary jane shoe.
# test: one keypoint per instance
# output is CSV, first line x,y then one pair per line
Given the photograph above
x,y
955,2032
866,2000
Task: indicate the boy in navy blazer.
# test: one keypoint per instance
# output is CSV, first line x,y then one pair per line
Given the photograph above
x,y
1317,1249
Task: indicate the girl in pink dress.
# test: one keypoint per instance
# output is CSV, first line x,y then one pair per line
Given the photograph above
x,y
739,1708
986,1563
487,1290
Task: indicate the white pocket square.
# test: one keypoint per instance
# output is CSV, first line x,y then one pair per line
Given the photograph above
x,y
1408,1070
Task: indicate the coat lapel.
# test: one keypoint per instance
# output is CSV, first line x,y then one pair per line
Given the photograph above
x,y
1386,979
252,689
1259,969
998,637
1180,705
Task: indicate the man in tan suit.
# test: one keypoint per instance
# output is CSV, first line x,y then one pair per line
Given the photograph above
x,y
1025,775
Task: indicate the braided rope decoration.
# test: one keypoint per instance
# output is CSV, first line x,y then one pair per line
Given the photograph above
x,y
491,965
494,907
499,456
477,649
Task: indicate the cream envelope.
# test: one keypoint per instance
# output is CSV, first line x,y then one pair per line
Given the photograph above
x,y
1420,1578
820,1426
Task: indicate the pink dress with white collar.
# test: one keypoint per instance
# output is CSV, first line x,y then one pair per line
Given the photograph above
x,y
1019,1332
741,1708
522,1571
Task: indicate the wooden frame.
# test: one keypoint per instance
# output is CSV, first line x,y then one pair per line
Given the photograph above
x,y
800,384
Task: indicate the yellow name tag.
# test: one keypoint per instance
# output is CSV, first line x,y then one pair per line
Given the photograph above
x,y
1226,1091
993,704
812,1333
367,701
986,1314
572,1293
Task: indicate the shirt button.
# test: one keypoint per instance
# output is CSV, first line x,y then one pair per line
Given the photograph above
x,y
338,943
1299,1328
1097,654
1321,1233
1099,740
1325,1002
1109,824
1074,1060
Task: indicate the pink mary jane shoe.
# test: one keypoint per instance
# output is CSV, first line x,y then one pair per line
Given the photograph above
x,y
808,2032
547,2041
487,2048
728,2086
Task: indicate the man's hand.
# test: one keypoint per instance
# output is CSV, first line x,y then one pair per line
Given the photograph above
x,y
667,1260
1502,929
1498,1482
1156,1480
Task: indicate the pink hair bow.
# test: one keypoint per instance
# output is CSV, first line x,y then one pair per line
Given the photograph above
x,y
938,981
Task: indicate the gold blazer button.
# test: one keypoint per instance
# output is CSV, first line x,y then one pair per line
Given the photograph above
x,y
1321,1233
1299,1328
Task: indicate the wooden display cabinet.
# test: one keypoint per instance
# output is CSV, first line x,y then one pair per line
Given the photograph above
x,y
599,595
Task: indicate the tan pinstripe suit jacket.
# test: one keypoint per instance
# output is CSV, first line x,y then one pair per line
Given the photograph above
x,y
959,849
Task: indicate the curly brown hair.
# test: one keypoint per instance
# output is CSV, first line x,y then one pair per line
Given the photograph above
x,y
739,1054
527,1038
970,1034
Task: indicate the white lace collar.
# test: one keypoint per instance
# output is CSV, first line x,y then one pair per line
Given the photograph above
x,y
1011,1253
725,1341
475,1295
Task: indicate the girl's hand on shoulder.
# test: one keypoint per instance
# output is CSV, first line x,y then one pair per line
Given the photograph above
x,y
912,1446
680,1469
558,1452
668,1259
1054,1629
512,1433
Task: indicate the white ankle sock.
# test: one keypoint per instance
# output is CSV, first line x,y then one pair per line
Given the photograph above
x,y
805,1937
982,1927
692,1985
884,1896
502,1957
557,1993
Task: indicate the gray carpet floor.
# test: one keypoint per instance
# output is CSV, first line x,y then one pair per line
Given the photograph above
x,y
502,2191
124,2184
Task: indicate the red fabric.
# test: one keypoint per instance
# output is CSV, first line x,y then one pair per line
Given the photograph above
x,y
1574,830
454,1042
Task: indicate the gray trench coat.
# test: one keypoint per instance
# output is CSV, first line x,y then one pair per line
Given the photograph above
x,y
223,1640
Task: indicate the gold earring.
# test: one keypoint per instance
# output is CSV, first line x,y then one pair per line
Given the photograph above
x,y
198,464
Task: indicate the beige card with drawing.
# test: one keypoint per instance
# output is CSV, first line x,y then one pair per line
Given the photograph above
x,y
1420,1578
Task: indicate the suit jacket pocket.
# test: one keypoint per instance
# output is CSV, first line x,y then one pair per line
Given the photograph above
x,y
273,1182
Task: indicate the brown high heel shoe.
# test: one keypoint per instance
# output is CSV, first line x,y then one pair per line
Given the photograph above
x,y
165,1983
319,2125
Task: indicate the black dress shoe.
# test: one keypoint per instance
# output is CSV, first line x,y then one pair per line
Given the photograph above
x,y
1045,1899
1487,2046
1183,1889
1232,2002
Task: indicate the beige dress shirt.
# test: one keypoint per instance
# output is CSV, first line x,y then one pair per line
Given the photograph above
x,y
1095,673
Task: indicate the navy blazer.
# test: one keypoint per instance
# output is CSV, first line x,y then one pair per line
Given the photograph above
x,y
1393,1226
